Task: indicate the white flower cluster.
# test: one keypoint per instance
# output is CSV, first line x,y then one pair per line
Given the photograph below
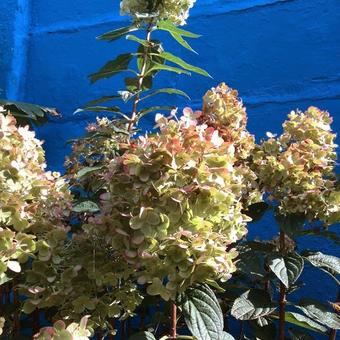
x,y
176,11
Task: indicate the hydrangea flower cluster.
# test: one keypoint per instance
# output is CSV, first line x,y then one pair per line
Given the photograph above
x,y
33,202
297,167
59,330
174,203
177,11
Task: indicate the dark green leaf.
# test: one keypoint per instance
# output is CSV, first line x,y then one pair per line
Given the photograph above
x,y
88,170
167,25
121,63
257,210
252,304
264,332
304,322
261,246
287,269
86,206
99,109
291,224
202,313
102,100
115,34
142,336
25,113
168,91
132,84
319,312
177,60
296,334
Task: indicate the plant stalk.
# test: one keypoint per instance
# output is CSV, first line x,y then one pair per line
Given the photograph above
x,y
332,334
283,294
173,329
140,80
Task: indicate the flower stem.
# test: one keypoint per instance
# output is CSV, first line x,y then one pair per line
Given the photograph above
x,y
141,76
173,329
283,294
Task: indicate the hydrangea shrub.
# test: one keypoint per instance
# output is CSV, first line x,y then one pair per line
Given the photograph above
x,y
297,168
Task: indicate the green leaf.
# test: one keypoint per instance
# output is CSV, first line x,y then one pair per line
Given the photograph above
x,y
166,90
319,312
304,322
265,332
25,113
177,60
226,336
182,42
291,224
257,210
167,25
329,263
88,170
115,109
133,83
252,304
115,34
155,108
138,40
157,66
202,312
86,206
102,100
142,336
287,269
296,334
113,67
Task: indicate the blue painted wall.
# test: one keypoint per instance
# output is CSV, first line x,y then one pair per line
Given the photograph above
x,y
279,54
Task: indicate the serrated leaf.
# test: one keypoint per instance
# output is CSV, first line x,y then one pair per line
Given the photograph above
x,y
304,322
121,63
167,25
252,304
166,90
86,206
328,262
319,312
142,336
115,34
202,313
287,269
177,60
226,336
88,170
